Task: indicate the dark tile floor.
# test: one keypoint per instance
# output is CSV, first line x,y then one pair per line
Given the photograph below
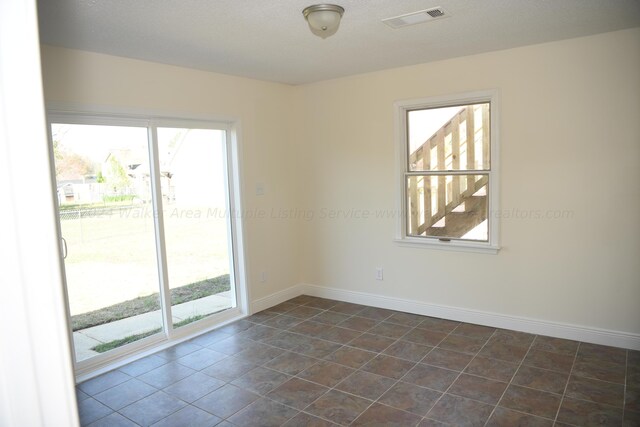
x,y
318,362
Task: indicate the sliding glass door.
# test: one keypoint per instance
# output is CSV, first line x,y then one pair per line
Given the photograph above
x,y
145,230
196,231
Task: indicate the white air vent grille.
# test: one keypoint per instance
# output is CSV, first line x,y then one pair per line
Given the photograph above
x,y
416,17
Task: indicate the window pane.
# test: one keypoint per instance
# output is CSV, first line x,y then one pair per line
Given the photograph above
x,y
449,138
108,232
448,206
196,222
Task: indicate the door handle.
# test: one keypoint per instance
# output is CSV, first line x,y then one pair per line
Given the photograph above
x,y
64,248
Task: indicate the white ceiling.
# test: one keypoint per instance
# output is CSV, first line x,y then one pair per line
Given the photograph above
x,y
269,40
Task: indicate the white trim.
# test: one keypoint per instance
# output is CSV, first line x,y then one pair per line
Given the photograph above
x,y
400,122
277,298
496,320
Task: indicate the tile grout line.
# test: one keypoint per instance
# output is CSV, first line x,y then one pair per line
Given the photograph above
x,y
511,380
461,371
564,393
624,392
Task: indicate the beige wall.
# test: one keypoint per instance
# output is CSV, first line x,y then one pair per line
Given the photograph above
x,y
264,110
570,141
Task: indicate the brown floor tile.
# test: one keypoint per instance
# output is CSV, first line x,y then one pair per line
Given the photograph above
x,y
503,351
339,335
388,366
633,375
236,327
411,398
596,391
282,307
531,401
259,355
291,363
518,339
316,348
349,356
633,358
390,330
541,379
341,408
631,419
546,360
372,342
297,393
491,368
287,340
438,325
300,300
408,350
447,359
283,322
304,312
432,423
229,369
365,384
632,398
309,327
555,345
474,331
356,323
376,313
261,380
587,414
381,415
604,371
477,388
226,401
424,337
462,344
507,418
263,412
306,420
347,308
322,303
330,318
326,373
259,333
231,345
602,353
460,411
261,316
431,377
406,319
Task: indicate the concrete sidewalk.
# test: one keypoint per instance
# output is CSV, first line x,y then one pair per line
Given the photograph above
x,y
85,339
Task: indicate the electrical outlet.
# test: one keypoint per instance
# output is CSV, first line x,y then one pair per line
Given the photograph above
x,y
263,276
379,273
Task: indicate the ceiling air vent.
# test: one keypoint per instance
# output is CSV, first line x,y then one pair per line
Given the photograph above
x,y
416,17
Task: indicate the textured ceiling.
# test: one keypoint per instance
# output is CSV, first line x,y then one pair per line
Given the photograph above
x,y
269,40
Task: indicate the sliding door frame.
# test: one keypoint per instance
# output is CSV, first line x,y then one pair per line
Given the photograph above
x,y
169,336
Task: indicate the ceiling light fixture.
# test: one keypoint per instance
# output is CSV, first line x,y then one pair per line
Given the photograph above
x,y
323,19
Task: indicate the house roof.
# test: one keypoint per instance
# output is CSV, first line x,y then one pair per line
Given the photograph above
x,y
270,40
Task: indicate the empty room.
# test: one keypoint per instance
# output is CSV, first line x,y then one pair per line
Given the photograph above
x,y
381,213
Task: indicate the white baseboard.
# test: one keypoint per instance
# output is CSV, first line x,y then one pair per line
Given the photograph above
x,y
277,298
534,326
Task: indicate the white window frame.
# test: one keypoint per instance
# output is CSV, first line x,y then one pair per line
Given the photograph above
x,y
89,115
401,109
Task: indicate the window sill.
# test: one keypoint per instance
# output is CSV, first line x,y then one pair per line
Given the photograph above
x,y
454,245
